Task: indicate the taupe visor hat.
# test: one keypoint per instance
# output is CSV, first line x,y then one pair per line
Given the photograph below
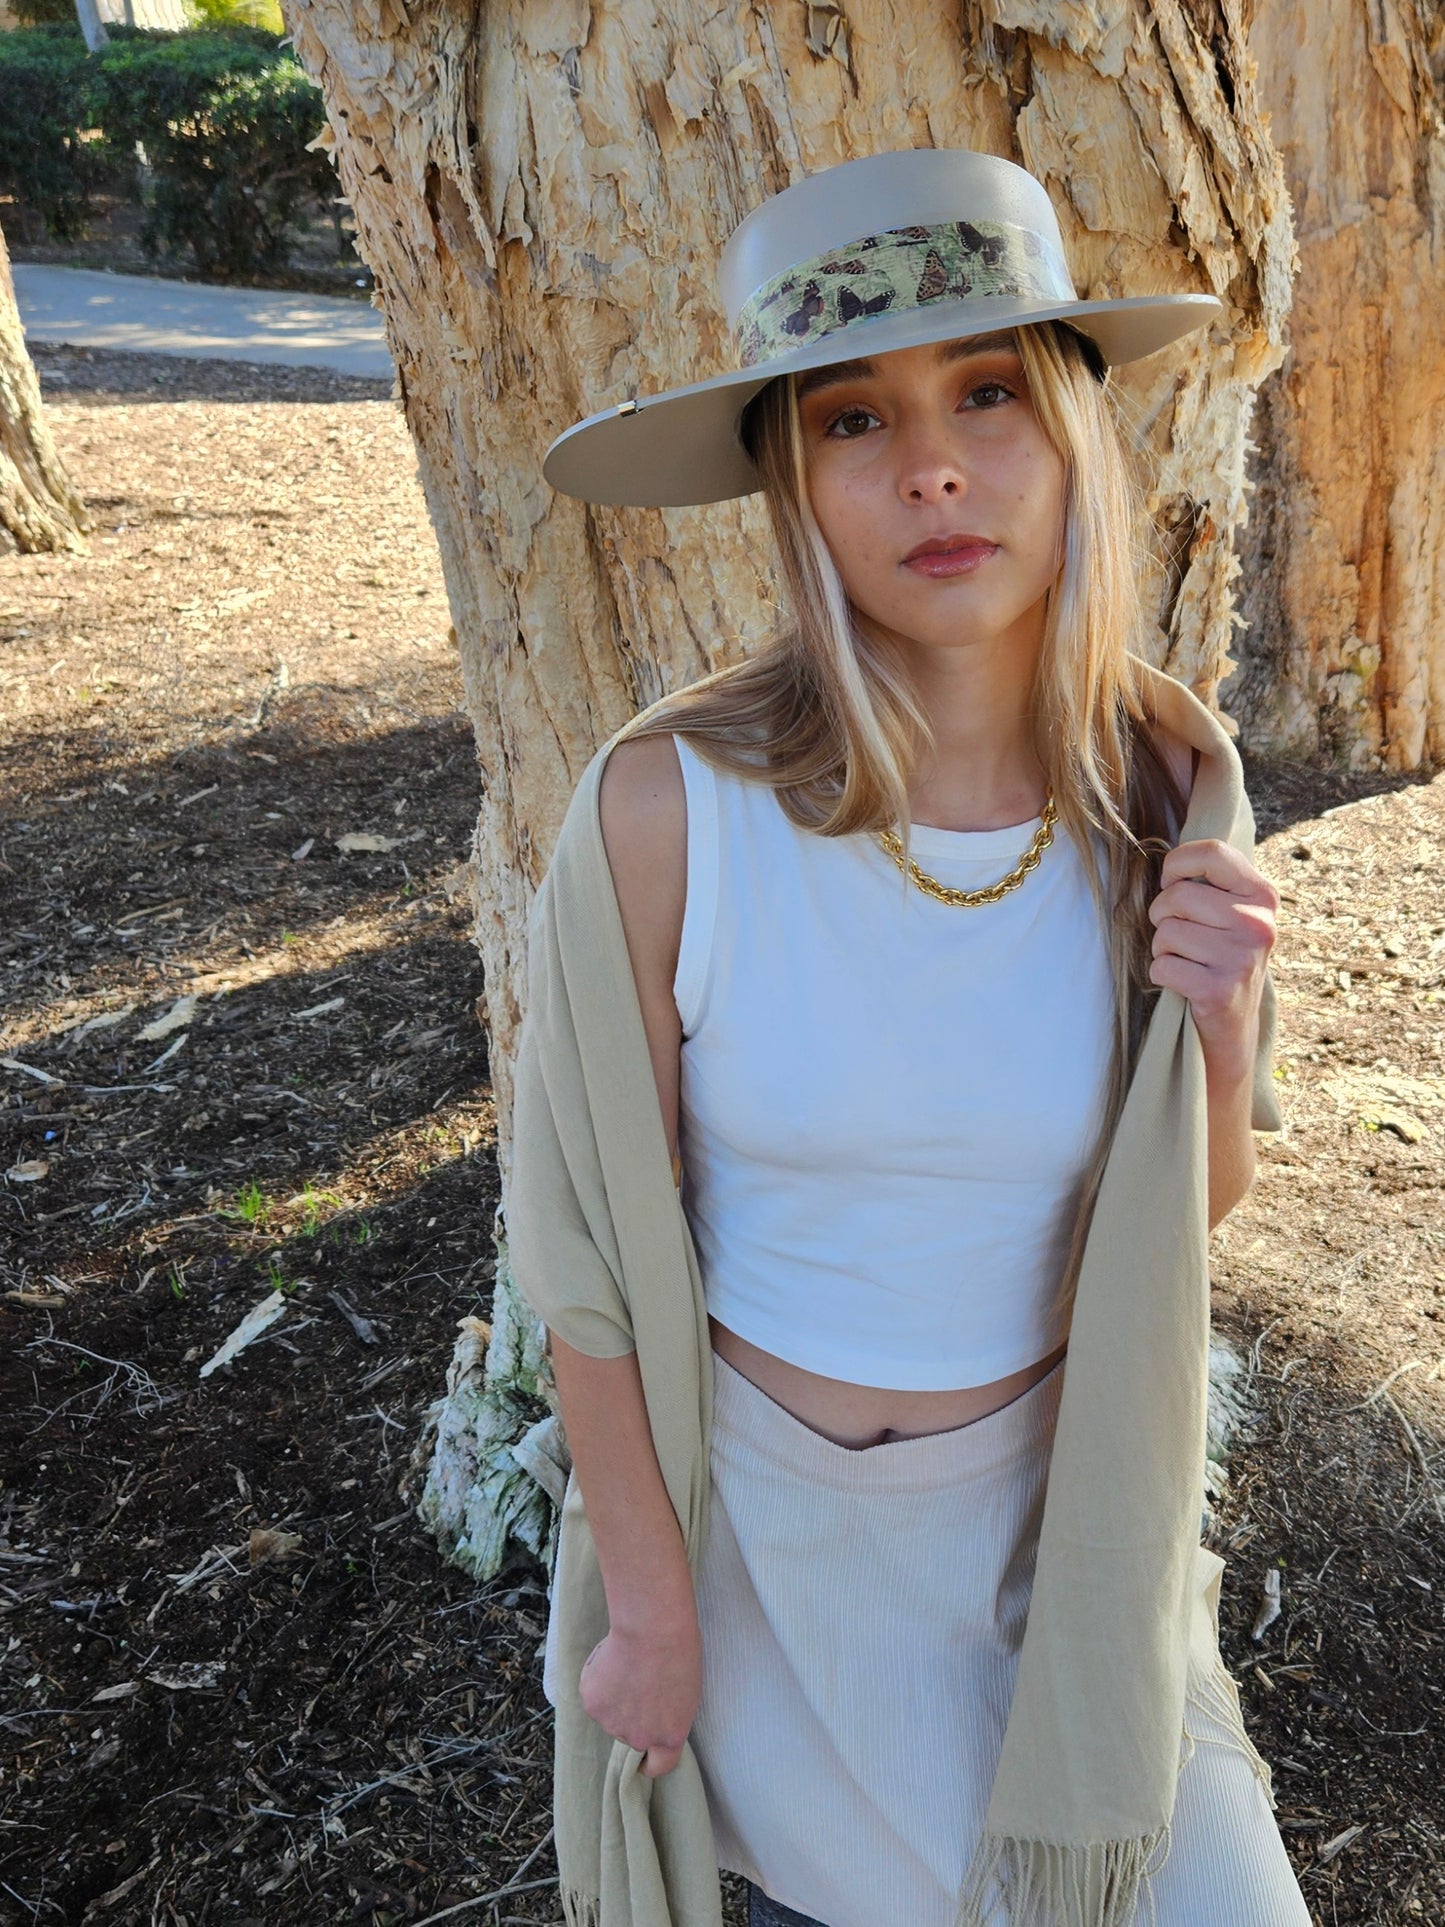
x,y
890,251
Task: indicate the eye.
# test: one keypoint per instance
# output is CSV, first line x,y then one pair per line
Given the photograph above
x,y
847,414
997,386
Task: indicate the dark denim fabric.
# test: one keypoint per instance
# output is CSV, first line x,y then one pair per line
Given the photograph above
x,y
763,1912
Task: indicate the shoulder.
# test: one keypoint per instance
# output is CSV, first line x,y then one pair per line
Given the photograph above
x,y
641,800
1163,694
1177,754
642,808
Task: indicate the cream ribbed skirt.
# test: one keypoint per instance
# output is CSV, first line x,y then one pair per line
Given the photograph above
x,y
861,1616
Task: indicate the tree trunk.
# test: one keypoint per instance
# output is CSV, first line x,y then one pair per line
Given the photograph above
x,y
87,12
1343,656
38,507
542,191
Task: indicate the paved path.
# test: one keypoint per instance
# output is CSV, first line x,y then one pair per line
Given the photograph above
x,y
148,315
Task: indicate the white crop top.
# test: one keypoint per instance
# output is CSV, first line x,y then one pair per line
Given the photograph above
x,y
887,1103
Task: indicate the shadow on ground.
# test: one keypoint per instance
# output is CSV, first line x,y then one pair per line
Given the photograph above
x,y
106,377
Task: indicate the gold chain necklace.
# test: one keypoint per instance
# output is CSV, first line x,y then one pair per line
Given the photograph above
x,y
970,899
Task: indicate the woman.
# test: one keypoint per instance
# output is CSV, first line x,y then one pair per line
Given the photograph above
x,y
901,897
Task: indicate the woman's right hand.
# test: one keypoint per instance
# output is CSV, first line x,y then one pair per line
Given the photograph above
x,y
643,1685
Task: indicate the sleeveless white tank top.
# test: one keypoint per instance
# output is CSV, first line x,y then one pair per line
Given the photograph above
x,y
887,1103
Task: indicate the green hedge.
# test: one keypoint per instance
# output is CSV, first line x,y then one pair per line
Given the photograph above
x,y
44,163
223,118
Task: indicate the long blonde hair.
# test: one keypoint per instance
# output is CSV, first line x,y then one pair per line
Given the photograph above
x,y
828,717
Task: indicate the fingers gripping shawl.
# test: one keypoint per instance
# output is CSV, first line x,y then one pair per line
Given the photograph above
x,y
601,1250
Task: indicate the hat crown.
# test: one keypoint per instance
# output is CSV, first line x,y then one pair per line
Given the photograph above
x,y
878,194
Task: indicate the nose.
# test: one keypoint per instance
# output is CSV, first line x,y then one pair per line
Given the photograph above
x,y
930,468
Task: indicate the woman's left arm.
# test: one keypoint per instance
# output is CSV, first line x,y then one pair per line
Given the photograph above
x,y
1214,927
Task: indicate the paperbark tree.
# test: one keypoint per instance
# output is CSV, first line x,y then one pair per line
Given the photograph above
x,y
1343,651
39,509
542,190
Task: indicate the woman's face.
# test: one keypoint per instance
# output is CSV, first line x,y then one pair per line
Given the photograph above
x,y
939,441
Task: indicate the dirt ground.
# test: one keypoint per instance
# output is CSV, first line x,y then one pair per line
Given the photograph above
x,y
237,1682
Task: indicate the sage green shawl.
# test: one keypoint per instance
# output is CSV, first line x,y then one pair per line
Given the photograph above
x,y
601,1250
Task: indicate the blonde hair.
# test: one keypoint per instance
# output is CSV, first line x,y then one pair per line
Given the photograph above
x,y
828,717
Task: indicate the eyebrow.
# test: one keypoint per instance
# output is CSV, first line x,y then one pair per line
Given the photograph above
x,y
946,351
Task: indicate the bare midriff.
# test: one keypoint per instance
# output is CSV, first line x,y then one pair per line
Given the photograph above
x,y
863,1415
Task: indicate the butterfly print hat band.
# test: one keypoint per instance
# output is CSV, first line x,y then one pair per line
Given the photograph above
x,y
890,251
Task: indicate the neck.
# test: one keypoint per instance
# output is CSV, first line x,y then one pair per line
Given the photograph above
x,y
985,773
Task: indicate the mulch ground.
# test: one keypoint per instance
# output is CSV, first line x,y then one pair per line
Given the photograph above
x,y
240,1054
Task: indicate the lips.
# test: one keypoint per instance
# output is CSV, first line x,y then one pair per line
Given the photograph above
x,y
949,545
949,558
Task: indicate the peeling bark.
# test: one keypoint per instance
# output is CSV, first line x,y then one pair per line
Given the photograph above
x,y
543,190
39,509
1344,654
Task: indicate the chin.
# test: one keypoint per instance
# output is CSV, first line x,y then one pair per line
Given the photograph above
x,y
936,624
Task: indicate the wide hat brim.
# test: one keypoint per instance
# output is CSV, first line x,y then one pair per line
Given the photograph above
x,y
680,447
